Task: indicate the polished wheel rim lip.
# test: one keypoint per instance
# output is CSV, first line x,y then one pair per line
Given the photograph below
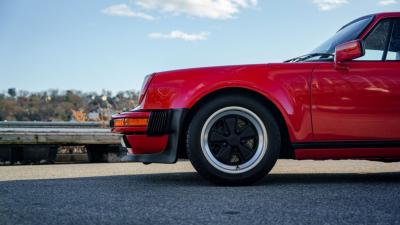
x,y
259,152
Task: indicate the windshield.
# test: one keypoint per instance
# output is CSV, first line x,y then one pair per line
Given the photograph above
x,y
347,33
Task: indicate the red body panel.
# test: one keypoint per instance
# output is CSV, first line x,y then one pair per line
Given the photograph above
x,y
360,101
143,144
286,85
357,104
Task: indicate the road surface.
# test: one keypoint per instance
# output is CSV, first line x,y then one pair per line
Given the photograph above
x,y
296,192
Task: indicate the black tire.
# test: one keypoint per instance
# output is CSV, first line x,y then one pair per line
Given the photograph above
x,y
200,158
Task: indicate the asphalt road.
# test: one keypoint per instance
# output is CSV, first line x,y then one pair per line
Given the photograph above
x,y
331,192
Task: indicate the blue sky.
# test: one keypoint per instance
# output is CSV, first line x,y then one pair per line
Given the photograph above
x,y
108,44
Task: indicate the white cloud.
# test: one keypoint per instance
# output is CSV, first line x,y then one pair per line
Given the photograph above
x,y
177,34
125,10
387,2
326,5
212,9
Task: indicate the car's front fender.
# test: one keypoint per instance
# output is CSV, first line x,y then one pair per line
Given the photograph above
x,y
287,86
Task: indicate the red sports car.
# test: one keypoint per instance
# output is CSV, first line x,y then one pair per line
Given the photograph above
x,y
341,101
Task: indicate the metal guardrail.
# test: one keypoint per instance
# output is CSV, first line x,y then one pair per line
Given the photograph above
x,y
57,133
37,142
58,124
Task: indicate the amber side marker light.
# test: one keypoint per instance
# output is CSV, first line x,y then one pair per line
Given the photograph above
x,y
131,122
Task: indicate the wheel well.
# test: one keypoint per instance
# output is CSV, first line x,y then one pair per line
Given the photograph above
x,y
286,147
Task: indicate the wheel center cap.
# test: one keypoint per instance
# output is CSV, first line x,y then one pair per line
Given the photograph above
x,y
234,140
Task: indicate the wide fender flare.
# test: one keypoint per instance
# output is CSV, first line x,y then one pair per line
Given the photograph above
x,y
271,91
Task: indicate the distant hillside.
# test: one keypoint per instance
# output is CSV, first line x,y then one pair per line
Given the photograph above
x,y
55,105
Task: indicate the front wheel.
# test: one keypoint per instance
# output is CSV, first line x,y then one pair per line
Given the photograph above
x,y
233,140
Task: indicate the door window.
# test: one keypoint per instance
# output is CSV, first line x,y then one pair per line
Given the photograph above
x,y
375,43
394,46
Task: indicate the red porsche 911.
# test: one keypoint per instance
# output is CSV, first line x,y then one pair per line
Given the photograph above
x,y
341,101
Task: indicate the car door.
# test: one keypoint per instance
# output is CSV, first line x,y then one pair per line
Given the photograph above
x,y
362,101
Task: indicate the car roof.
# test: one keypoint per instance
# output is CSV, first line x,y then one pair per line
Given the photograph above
x,y
387,14
374,16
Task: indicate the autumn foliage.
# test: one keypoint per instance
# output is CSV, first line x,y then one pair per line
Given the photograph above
x,y
54,105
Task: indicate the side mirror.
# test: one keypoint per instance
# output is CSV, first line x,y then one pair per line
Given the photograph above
x,y
348,51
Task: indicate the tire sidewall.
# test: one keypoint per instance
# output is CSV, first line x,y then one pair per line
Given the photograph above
x,y
199,160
